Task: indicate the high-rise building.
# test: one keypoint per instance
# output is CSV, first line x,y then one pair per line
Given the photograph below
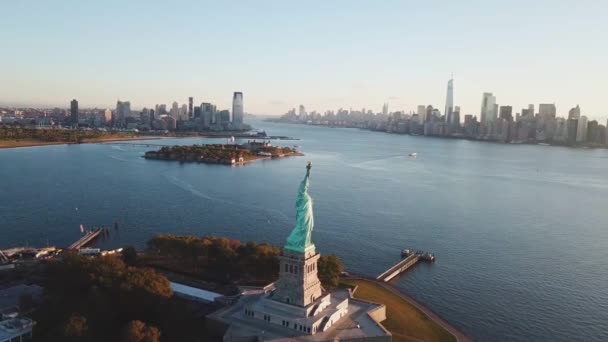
x,y
581,132
449,103
107,115
574,113
488,107
302,112
190,107
74,112
593,131
546,111
429,113
123,111
572,127
385,109
421,113
174,110
237,108
506,112
528,113
456,116
208,114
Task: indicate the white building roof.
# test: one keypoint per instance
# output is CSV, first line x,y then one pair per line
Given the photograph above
x,y
194,292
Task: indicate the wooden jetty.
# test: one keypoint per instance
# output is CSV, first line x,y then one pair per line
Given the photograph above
x,y
86,239
409,259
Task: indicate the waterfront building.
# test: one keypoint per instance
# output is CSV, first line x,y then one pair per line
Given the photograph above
x,y
449,103
207,113
488,109
572,127
170,121
506,113
421,113
574,113
429,113
581,132
302,112
190,107
546,112
385,108
107,115
456,117
123,111
237,108
174,112
297,308
74,113
561,130
593,132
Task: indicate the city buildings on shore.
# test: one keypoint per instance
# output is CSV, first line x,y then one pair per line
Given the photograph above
x,y
494,123
187,117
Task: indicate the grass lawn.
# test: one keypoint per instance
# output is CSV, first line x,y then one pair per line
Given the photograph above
x,y
404,321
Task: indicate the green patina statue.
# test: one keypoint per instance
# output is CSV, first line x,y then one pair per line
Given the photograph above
x,y
301,235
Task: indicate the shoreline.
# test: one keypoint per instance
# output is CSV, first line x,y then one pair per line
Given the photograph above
x,y
430,314
515,143
6,144
34,143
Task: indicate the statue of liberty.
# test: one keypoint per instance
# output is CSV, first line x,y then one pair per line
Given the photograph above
x,y
301,235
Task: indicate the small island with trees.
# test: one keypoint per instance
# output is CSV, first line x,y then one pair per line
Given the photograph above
x,y
227,154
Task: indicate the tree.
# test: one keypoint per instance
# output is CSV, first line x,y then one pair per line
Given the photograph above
x,y
129,255
75,327
138,331
330,267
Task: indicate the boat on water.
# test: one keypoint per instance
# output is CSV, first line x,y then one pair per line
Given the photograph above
x,y
413,154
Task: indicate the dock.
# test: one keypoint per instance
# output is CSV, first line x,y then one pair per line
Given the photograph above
x,y
409,259
86,239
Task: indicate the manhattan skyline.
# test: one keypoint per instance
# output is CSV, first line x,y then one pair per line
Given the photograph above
x,y
324,55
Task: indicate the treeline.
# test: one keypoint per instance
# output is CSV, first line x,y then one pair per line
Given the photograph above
x,y
211,151
103,299
230,260
226,259
47,135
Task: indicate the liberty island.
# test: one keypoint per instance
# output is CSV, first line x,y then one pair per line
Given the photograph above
x,y
296,307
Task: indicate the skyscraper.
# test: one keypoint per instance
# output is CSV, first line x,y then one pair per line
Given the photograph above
x,y
421,113
174,110
302,111
506,112
488,104
574,113
581,132
190,106
456,116
123,110
385,109
449,103
546,111
107,115
237,108
74,112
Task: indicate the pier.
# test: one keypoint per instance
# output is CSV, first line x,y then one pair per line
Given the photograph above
x,y
86,239
409,259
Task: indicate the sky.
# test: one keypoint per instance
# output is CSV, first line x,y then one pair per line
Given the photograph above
x,y
324,54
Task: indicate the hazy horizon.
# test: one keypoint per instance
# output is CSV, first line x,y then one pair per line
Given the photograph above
x,y
322,55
